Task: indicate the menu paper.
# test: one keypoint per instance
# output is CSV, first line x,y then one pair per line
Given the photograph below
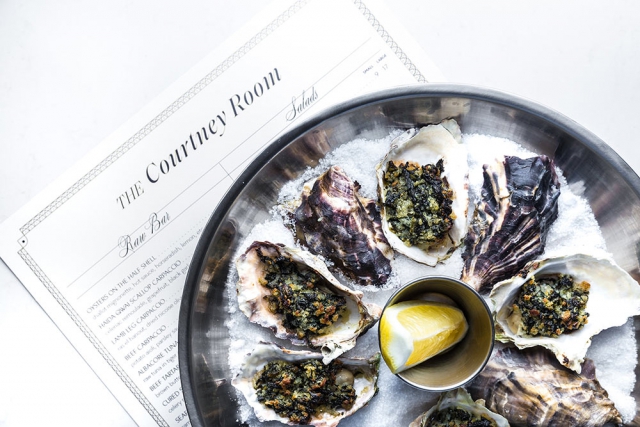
x,y
105,249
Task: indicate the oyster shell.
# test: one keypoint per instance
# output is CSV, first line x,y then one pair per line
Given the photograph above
x,y
253,299
614,296
530,388
460,399
510,224
429,146
364,371
332,220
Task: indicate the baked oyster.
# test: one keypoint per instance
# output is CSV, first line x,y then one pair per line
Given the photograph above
x,y
423,191
511,222
530,388
291,292
295,387
332,220
457,408
561,303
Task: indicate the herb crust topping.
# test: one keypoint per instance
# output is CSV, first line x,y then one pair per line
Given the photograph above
x,y
418,202
456,417
308,308
551,305
300,390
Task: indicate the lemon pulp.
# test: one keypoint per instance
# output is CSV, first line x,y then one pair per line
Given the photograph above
x,y
414,331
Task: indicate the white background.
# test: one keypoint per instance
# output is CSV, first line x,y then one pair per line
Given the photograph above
x,y
71,72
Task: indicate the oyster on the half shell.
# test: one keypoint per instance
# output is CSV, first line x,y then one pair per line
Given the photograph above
x,y
458,404
361,374
307,306
334,221
423,191
613,297
530,389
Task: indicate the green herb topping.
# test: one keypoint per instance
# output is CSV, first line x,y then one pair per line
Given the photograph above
x,y
301,390
455,417
418,202
551,305
308,307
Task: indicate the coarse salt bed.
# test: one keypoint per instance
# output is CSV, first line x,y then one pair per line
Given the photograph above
x,y
576,229
613,367
563,238
357,158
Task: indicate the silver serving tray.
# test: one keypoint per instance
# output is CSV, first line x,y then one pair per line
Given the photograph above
x,y
610,186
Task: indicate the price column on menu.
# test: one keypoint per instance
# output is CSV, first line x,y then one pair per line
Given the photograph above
x,y
379,69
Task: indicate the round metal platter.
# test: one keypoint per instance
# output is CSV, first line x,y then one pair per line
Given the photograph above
x,y
608,183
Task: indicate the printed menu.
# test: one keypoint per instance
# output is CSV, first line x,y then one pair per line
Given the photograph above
x,y
106,248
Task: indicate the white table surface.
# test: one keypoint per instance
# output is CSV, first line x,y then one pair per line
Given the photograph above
x,y
72,71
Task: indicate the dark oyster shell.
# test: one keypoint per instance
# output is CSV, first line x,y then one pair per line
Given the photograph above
x,y
530,388
510,224
335,222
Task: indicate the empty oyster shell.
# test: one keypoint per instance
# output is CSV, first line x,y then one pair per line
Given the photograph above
x,y
510,224
363,374
460,399
529,388
614,296
332,220
428,146
253,299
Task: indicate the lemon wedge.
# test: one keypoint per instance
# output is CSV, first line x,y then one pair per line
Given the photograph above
x,y
413,331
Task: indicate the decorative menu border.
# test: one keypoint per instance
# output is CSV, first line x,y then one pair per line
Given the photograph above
x,y
390,42
139,136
